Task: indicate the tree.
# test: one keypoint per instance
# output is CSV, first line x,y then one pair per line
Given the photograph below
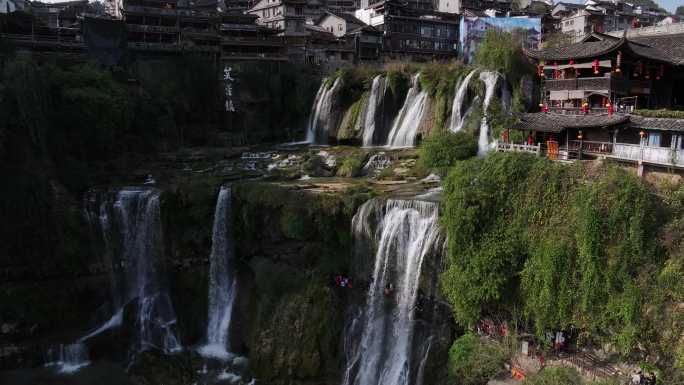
x,y
443,149
680,11
474,362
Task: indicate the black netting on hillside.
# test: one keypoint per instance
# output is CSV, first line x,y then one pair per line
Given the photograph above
x,y
105,39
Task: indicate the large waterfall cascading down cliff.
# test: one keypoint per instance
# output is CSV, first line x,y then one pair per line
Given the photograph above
x,y
490,79
458,116
222,282
322,120
373,108
130,224
407,122
406,231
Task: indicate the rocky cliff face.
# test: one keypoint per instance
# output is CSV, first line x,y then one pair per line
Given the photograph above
x,y
289,316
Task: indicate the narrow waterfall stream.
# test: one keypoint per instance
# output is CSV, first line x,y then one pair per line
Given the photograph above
x,y
405,231
490,80
322,120
407,122
222,282
375,104
67,359
458,116
130,226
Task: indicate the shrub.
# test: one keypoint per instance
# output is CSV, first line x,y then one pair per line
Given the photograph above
x,y
555,376
474,362
350,167
444,148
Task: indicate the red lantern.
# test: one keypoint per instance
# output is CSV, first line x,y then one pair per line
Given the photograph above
x,y
545,109
618,63
595,64
660,72
610,109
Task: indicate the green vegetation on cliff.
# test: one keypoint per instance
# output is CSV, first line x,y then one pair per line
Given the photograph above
x,y
554,247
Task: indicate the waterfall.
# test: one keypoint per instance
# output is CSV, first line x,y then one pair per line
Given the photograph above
x,y
405,231
406,124
490,80
375,101
222,282
68,358
315,108
130,224
322,120
457,116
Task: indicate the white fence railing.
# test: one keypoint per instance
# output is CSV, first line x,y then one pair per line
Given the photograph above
x,y
662,156
666,29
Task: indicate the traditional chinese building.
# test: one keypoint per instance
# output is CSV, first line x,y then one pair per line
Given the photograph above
x,y
639,72
592,96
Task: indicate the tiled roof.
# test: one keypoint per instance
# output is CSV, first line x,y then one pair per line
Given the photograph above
x,y
664,48
551,122
668,124
670,47
576,51
349,18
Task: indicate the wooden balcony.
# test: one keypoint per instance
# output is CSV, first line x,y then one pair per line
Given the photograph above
x,y
267,41
604,83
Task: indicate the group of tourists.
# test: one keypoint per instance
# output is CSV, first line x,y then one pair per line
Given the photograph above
x,y
640,378
342,281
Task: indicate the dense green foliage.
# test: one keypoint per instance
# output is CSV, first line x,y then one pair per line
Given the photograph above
x,y
474,362
502,52
572,249
680,11
441,150
555,376
351,166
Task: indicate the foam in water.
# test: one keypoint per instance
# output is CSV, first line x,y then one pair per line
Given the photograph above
x,y
222,282
68,359
407,231
375,101
458,117
405,127
490,80
321,121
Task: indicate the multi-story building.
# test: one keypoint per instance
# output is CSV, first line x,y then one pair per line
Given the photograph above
x,y
462,6
339,23
169,26
410,33
592,91
288,16
602,16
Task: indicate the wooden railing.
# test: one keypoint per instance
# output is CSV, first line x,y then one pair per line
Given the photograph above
x,y
596,84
